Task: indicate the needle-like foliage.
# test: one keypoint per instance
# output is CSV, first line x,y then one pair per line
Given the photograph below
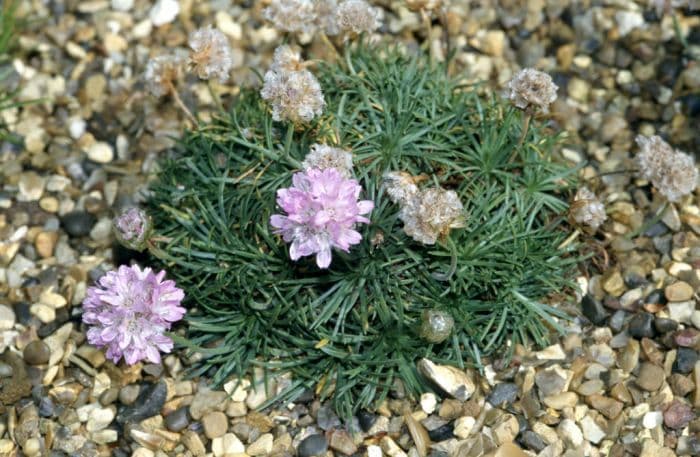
x,y
352,330
8,84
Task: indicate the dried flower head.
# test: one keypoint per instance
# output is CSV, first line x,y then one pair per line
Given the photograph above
x,y
586,209
357,16
666,6
321,209
129,310
431,214
294,95
325,17
323,156
425,5
286,59
292,15
211,54
163,73
399,186
532,88
672,172
132,228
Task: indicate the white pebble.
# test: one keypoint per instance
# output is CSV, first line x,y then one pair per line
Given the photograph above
x,y
164,12
76,127
652,419
374,451
122,5
428,402
100,152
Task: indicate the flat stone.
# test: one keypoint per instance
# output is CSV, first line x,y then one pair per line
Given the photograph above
x,y
227,445
178,420
552,380
505,429
570,433
261,446
78,223
428,402
561,401
193,442
7,318
651,377
591,430
629,357
503,393
679,291
37,353
642,326
681,311
31,186
463,426
651,449
99,419
215,424
593,310
100,152
613,283
607,406
207,400
688,338
685,360
313,446
164,12
341,442
451,380
652,419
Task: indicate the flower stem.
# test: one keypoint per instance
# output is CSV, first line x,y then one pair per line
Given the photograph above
x,y
453,263
215,96
523,134
327,41
181,105
570,239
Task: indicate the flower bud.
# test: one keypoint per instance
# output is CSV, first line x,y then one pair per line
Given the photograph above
x,y
132,228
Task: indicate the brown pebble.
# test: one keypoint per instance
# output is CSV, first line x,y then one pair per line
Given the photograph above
x,y
607,406
651,377
37,353
215,424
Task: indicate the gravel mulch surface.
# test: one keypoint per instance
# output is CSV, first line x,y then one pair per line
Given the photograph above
x,y
624,381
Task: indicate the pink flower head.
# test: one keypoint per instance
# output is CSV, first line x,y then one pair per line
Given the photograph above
x,y
129,310
322,210
132,228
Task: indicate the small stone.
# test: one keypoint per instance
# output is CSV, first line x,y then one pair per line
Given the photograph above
x,y
607,406
652,449
688,338
593,310
341,442
591,430
45,243
665,325
390,447
552,380
652,419
7,318
532,440
261,446
613,283
150,401
193,442
561,401
642,326
31,186
651,377
681,311
178,420
366,420
326,418
453,381
505,429
570,433
128,394
679,291
109,396
207,400
6,370
503,393
630,356
37,353
419,435
442,433
122,5
463,426
227,445
100,152
215,424
685,360
680,385
164,12
628,21
99,419
313,446
428,402
678,415
78,223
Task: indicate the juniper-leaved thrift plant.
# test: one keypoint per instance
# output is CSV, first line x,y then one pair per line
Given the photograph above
x,y
129,311
211,55
672,172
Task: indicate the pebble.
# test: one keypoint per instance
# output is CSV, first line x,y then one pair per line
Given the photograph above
x,y
665,325
607,406
215,424
207,400
164,12
78,223
178,420
122,5
7,318
428,402
591,430
681,311
503,393
99,419
629,357
679,291
593,310
678,415
685,360
453,381
149,403
227,445
463,426
31,186
326,418
532,440
570,433
552,380
37,353
642,326
651,377
313,446
193,442
561,401
442,433
341,442
100,152
366,420
261,446
128,394
652,419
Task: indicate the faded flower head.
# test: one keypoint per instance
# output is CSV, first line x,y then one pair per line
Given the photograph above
x,y
325,16
400,186
431,214
129,310
321,209
294,95
211,54
357,16
586,209
323,156
532,88
286,59
672,172
163,73
666,6
132,228
292,15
